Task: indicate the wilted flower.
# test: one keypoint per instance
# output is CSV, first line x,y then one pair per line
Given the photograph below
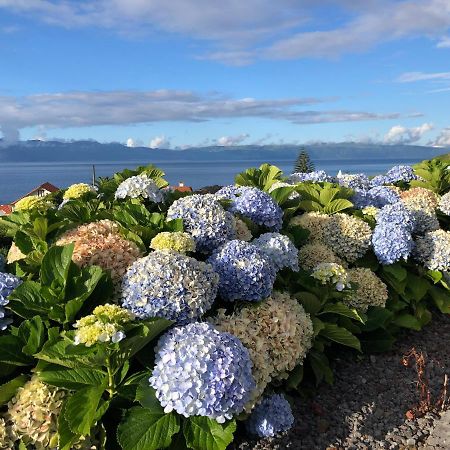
x,y
348,236
243,233
272,416
77,191
433,250
205,219
277,333
370,290
316,176
140,186
331,273
8,283
280,249
33,414
444,204
254,204
32,202
169,285
200,371
101,244
105,324
245,272
177,241
310,255
14,254
314,222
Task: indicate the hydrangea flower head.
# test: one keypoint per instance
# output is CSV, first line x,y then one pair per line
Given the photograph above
x,y
314,253
353,180
32,202
243,233
140,186
424,197
200,371
396,214
280,249
256,205
8,283
444,204
380,180
422,204
433,250
370,290
401,173
177,241
314,222
272,416
391,243
6,436
377,196
348,236
317,176
245,272
205,220
77,191
331,273
105,324
170,285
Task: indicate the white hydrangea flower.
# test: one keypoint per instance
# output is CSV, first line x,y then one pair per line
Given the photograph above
x,y
140,186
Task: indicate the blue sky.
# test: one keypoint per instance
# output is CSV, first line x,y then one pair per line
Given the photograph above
x,y
200,72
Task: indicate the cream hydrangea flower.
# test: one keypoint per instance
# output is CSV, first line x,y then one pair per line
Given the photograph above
x,y
242,231
33,414
14,254
422,203
6,438
314,222
277,332
104,325
177,241
348,236
100,243
310,255
77,191
420,195
32,202
331,273
370,211
370,290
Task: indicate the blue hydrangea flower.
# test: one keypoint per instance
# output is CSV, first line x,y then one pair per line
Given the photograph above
x,y
401,173
272,416
140,186
8,283
205,219
380,180
280,250
256,205
353,180
396,214
200,371
391,243
245,272
317,176
2,263
377,196
170,285
444,204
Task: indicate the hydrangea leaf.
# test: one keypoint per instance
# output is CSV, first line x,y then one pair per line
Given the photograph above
x,y
55,265
340,335
202,433
11,351
407,321
343,310
143,430
9,389
146,396
32,333
26,300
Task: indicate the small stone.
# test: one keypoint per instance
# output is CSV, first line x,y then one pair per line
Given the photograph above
x,y
373,359
411,442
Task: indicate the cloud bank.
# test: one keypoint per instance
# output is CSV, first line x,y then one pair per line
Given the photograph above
x,y
399,134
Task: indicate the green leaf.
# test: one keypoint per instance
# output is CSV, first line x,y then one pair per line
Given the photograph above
x,y
309,301
441,299
337,205
72,379
9,389
377,317
203,433
417,286
26,300
320,366
340,335
11,351
56,264
66,436
318,325
143,430
32,333
295,377
81,408
146,396
407,321
342,310
396,271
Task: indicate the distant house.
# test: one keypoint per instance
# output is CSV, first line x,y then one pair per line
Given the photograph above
x,y
181,187
40,191
5,209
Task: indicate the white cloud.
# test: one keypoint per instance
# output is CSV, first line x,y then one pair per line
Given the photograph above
x,y
238,32
410,77
159,142
399,134
227,141
134,143
84,109
444,42
443,139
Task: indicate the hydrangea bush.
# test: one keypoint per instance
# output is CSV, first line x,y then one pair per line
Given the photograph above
x,y
179,314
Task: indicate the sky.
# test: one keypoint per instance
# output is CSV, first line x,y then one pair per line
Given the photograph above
x,y
180,73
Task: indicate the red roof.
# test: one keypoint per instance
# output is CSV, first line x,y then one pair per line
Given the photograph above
x,y
7,209
182,188
47,186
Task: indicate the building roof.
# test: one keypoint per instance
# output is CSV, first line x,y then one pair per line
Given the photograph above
x,y
181,188
6,209
46,186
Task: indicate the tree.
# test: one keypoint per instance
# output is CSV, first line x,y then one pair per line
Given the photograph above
x,y
303,162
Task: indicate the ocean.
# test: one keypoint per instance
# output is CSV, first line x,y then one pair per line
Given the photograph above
x,y
16,179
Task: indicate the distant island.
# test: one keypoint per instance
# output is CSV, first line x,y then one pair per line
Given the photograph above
x,y
95,152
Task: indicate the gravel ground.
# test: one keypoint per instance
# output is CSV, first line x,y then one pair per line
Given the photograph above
x,y
366,407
